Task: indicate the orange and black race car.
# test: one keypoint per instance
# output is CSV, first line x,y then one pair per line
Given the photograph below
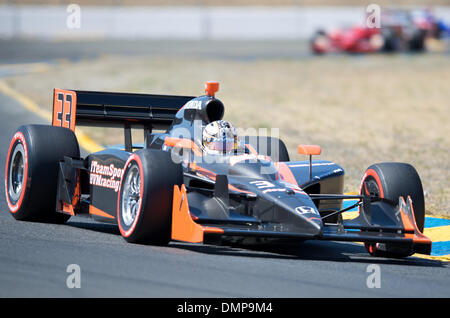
x,y
195,180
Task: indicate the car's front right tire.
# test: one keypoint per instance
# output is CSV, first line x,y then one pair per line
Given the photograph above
x,y
144,206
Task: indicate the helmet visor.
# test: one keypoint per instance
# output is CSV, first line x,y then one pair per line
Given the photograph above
x,y
223,145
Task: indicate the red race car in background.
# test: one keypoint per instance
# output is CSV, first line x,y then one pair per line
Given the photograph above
x,y
400,30
358,39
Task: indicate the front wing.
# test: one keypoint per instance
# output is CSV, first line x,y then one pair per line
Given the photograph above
x,y
364,228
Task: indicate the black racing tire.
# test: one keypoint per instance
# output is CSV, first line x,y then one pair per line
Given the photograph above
x,y
390,180
32,169
417,41
144,205
391,42
263,146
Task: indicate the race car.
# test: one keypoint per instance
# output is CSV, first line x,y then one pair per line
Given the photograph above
x,y
356,39
194,179
400,31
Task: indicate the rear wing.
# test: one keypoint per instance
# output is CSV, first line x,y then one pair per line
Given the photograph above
x,y
87,108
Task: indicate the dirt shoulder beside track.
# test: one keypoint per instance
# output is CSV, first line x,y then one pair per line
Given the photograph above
x,y
360,109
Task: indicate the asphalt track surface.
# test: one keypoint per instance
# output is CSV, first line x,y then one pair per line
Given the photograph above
x,y
20,51
34,259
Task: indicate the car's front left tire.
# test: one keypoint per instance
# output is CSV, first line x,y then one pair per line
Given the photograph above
x,y
392,180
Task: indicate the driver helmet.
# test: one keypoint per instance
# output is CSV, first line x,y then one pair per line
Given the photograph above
x,y
219,137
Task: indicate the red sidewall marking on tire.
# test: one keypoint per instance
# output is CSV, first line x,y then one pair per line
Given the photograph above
x,y
372,173
13,208
127,233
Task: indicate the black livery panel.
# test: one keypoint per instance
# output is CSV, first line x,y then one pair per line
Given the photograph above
x,y
105,173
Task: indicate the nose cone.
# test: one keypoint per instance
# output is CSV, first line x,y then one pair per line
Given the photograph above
x,y
309,222
312,221
300,214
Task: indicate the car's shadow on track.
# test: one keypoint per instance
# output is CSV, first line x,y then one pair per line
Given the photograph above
x,y
95,226
307,250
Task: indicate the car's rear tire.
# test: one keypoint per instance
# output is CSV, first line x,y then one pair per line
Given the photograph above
x,y
32,169
144,206
391,42
417,41
390,180
268,146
